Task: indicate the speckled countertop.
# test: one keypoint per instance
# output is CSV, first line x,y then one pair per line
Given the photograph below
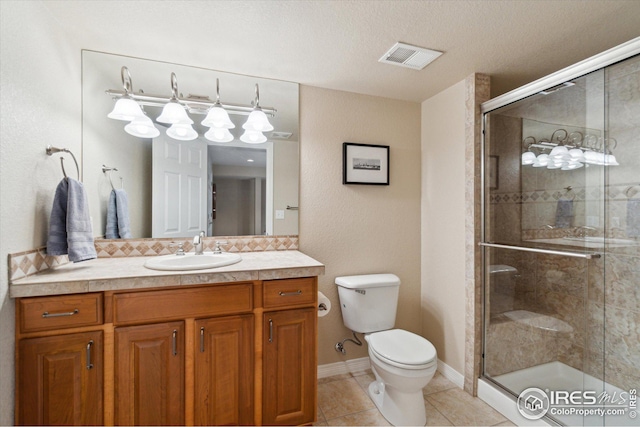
x,y
108,274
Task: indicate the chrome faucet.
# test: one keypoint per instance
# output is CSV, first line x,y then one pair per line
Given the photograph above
x,y
198,243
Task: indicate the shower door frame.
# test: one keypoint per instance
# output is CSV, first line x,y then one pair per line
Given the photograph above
x,y
594,63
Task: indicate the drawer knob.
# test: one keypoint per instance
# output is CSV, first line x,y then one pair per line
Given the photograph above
x,y
290,294
46,314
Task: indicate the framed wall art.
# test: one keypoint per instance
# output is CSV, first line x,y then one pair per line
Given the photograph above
x,y
365,164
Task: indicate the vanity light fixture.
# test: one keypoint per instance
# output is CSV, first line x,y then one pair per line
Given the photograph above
x,y
218,120
174,112
142,127
126,108
253,137
569,151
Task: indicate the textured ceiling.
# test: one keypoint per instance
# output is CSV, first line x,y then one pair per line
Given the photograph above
x,y
336,44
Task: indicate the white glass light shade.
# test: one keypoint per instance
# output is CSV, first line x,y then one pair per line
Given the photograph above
x,y
217,117
576,154
258,121
572,166
541,161
594,158
142,127
125,109
558,151
172,113
219,135
253,137
528,158
182,132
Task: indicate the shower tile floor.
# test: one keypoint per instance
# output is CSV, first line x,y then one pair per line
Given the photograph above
x,y
343,401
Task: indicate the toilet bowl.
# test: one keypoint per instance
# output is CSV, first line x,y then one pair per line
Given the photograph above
x,y
403,364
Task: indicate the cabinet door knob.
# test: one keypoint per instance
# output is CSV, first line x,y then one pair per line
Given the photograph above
x,y
270,330
290,294
202,339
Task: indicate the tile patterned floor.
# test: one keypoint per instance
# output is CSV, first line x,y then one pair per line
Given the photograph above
x,y
343,401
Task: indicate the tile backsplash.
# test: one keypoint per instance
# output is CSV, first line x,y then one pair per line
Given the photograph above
x,y
23,264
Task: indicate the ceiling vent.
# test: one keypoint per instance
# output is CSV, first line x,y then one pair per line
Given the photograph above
x,y
281,135
409,56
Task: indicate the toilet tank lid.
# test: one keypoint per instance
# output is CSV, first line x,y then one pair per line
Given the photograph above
x,y
368,281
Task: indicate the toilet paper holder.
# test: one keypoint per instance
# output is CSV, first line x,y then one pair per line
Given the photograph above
x,y
322,307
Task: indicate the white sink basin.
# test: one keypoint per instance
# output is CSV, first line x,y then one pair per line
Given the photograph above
x,y
190,261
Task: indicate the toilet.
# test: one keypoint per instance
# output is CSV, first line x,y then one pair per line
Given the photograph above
x,y
402,362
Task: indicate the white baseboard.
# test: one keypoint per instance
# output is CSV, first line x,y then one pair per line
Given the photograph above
x,y
347,367
451,374
362,364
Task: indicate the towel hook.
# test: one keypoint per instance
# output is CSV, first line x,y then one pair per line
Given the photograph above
x,y
106,169
51,150
570,191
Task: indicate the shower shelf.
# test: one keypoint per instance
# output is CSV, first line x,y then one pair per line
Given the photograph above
x,y
539,321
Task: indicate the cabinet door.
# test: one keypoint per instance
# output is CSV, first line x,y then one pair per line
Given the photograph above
x,y
224,371
289,371
60,380
149,370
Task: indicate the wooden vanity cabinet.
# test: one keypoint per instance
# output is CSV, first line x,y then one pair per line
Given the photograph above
x,y
59,360
149,374
59,380
242,353
290,354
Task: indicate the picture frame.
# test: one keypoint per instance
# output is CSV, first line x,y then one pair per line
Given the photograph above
x,y
365,164
494,165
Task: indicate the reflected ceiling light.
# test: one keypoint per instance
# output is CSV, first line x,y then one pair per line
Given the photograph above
x,y
142,127
569,151
253,137
257,120
218,135
182,132
528,158
126,108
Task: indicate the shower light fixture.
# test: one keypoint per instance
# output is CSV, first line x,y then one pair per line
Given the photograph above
x,y
174,112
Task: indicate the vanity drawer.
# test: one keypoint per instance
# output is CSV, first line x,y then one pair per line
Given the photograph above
x,y
197,302
61,311
289,292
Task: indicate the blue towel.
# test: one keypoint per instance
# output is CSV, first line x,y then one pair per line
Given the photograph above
x,y
70,223
564,213
118,216
633,218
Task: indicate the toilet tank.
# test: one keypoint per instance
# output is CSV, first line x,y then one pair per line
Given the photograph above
x,y
368,302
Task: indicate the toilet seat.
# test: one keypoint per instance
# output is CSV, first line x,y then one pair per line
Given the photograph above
x,y
402,349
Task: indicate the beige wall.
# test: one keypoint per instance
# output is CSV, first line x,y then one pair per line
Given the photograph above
x,y
443,224
40,105
360,229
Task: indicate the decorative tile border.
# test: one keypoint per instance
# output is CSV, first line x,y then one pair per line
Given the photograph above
x,y
23,264
617,192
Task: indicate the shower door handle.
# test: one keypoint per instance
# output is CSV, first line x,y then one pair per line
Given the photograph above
x,y
542,251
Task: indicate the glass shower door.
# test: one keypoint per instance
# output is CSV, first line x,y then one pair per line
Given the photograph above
x,y
544,228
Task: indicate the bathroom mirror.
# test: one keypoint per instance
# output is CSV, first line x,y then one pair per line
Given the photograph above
x,y
253,187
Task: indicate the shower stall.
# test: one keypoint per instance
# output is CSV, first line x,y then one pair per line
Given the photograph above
x,y
561,244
